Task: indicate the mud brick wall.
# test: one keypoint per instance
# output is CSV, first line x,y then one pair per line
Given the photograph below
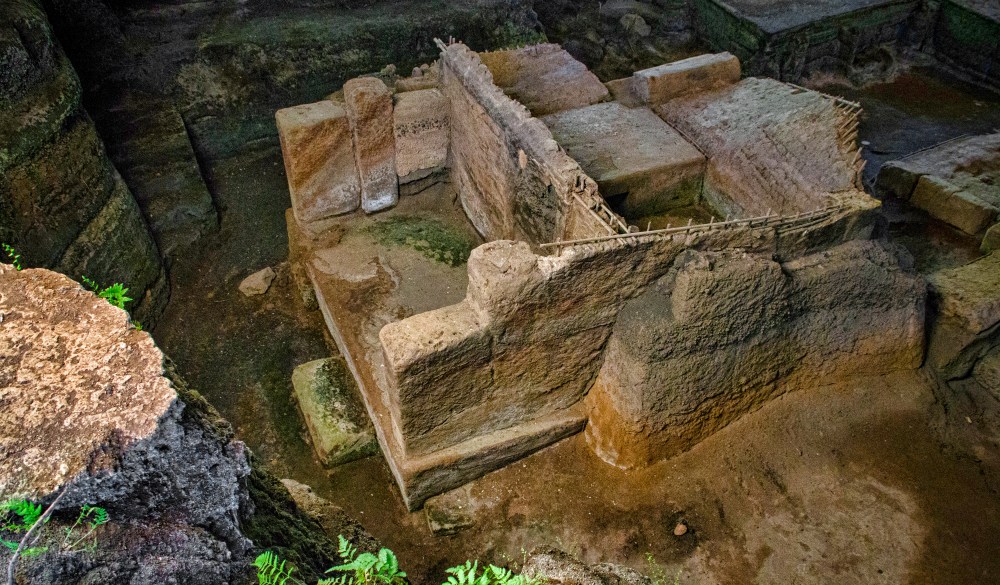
x,y
514,181
529,339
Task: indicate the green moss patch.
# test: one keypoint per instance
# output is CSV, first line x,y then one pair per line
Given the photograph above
x,y
431,237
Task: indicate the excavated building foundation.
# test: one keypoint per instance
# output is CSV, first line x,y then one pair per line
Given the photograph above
x,y
651,258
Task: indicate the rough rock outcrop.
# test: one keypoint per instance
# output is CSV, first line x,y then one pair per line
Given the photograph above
x,y
62,203
966,322
560,568
93,416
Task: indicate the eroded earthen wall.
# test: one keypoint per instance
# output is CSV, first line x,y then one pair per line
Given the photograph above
x,y
529,339
724,332
771,147
513,180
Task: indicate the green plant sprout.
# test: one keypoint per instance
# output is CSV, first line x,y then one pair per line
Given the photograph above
x,y
271,570
467,574
658,573
15,258
18,517
91,517
114,294
368,568
381,568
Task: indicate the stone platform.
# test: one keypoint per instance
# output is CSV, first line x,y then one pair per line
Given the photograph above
x,y
957,182
631,152
775,17
364,281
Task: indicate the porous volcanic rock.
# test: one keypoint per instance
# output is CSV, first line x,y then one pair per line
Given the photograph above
x,y
62,203
93,414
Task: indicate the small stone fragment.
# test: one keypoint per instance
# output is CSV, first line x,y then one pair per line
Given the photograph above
x,y
258,282
338,424
681,529
450,512
991,241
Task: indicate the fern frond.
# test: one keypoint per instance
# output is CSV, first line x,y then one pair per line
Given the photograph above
x,y
346,550
272,570
116,295
29,513
90,284
94,515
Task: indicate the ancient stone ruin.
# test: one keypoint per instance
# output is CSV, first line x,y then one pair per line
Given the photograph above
x,y
653,257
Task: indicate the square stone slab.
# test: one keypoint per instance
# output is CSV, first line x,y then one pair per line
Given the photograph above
x,y
545,78
421,121
631,152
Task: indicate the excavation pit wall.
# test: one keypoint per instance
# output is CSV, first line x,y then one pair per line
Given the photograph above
x,y
535,332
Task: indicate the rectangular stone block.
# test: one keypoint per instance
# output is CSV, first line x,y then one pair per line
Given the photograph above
x,y
693,75
634,153
337,422
421,124
950,204
316,145
369,109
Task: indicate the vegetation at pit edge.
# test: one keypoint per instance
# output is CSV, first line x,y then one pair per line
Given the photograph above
x,y
431,237
381,568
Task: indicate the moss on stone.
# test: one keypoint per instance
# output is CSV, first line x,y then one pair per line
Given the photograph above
x,y
431,237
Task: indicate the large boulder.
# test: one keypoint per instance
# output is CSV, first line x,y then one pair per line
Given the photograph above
x,y
94,415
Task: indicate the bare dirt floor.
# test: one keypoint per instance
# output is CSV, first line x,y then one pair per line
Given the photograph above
x,y
884,480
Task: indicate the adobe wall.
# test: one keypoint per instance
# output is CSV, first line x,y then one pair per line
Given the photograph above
x,y
529,339
514,181
695,351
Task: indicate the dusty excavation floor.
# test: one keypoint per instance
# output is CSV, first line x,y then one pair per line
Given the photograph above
x,y
879,481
